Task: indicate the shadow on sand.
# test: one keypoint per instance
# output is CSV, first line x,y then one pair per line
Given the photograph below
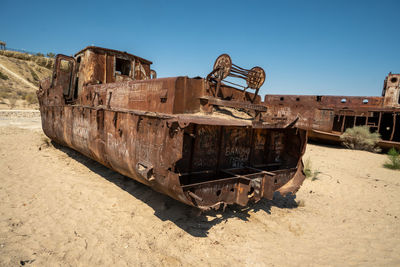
x,y
165,208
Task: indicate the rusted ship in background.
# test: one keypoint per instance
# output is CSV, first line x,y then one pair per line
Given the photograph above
x,y
197,140
327,117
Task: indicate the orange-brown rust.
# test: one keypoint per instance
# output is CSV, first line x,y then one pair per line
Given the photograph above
x,y
327,117
173,134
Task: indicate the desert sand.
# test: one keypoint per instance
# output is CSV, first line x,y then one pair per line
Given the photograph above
x,y
58,207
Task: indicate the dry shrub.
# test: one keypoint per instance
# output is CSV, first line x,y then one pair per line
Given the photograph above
x,y
3,76
31,98
5,93
12,102
361,138
34,75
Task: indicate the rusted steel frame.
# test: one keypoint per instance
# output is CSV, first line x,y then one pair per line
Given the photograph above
x,y
394,126
219,142
262,171
236,84
379,121
229,171
189,118
343,121
237,177
122,110
192,148
216,91
219,181
193,195
234,174
255,94
281,124
185,119
234,104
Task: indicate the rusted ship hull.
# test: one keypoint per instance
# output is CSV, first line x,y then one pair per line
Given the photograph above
x,y
327,117
164,133
148,149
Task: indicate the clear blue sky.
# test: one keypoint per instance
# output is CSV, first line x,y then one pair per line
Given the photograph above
x,y
305,47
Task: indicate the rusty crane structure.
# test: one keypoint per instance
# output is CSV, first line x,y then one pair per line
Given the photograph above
x,y
198,140
327,117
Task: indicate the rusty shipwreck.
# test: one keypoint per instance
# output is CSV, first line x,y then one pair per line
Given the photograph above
x,y
327,117
197,140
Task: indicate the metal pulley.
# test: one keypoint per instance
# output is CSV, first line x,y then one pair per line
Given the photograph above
x,y
223,68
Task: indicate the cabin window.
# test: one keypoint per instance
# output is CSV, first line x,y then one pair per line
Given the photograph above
x,y
65,66
365,101
297,98
122,66
319,98
282,98
337,123
76,89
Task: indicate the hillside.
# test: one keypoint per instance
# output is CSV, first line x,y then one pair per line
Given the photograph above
x,y
19,78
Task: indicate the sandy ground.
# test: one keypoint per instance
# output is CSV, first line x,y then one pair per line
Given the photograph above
x,y
60,208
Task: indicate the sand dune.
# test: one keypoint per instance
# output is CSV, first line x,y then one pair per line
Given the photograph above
x,y
59,208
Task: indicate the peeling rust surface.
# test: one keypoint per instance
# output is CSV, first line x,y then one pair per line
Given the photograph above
x,y
175,135
327,117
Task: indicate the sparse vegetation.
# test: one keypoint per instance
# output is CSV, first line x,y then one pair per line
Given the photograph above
x,y
361,138
12,102
46,62
309,172
34,75
51,55
31,98
3,76
394,160
6,93
14,95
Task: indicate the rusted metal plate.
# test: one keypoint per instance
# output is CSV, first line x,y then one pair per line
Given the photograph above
x,y
161,133
327,117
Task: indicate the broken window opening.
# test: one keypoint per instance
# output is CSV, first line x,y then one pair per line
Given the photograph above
x,y
348,122
386,126
337,123
360,121
398,101
122,66
396,135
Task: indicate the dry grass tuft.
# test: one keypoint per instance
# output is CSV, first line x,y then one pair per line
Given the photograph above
x,y
394,160
312,174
